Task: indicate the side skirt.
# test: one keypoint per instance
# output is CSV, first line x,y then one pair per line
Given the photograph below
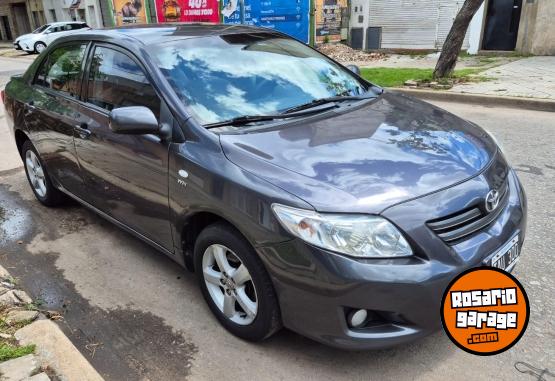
x,y
176,258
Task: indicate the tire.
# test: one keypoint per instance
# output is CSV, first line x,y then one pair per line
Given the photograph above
x,y
47,194
267,320
39,47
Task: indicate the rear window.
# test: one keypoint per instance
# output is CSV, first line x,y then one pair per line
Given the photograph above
x,y
77,26
61,70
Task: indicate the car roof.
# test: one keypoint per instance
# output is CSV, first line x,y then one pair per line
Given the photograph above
x,y
157,33
65,22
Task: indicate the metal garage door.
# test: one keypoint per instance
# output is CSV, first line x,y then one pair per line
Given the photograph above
x,y
356,38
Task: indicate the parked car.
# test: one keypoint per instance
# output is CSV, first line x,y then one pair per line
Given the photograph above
x,y
300,194
39,39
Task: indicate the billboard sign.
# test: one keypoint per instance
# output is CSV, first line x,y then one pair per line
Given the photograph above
x,y
288,16
129,12
329,19
187,10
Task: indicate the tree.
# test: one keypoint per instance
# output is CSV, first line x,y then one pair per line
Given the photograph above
x,y
452,46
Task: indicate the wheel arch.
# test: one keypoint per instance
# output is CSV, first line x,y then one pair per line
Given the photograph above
x,y
39,42
191,228
20,138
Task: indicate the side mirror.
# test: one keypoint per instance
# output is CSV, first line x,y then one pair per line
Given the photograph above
x,y
135,120
354,68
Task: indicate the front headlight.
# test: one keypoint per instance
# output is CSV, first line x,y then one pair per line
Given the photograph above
x,y
355,235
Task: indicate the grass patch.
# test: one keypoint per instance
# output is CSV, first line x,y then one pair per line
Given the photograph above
x,y
9,348
395,77
9,351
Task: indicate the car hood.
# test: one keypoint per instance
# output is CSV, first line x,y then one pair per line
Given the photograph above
x,y
23,37
29,37
388,151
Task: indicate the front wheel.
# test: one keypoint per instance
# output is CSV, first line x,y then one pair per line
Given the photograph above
x,y
40,46
235,284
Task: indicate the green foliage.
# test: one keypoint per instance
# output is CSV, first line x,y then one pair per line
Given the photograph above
x,y
8,351
395,77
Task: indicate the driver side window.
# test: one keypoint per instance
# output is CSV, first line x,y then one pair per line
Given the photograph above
x,y
115,80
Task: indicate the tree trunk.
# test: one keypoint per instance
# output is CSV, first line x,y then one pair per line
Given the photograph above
x,y
455,38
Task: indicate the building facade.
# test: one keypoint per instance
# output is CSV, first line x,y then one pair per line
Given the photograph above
x,y
88,11
525,26
537,28
18,17
402,25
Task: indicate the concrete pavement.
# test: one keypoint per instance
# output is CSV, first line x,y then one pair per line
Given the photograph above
x,y
147,319
532,77
8,67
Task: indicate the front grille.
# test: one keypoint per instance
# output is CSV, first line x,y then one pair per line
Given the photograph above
x,y
455,227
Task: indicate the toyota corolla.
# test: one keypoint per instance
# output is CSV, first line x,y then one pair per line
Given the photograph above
x,y
301,195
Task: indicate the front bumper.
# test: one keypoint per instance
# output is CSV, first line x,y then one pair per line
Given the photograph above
x,y
316,289
16,46
27,46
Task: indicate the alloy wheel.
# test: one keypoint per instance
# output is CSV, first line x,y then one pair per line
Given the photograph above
x,y
36,173
40,47
229,284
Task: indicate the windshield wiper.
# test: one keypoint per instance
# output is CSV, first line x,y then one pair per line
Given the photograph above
x,y
246,119
321,101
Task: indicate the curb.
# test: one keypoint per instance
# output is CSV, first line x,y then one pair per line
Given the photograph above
x,y
52,347
484,100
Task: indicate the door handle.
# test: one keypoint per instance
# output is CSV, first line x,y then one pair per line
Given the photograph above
x,y
29,107
83,130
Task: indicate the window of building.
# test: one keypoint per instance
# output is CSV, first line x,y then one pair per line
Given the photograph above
x,y
115,80
53,15
81,15
36,19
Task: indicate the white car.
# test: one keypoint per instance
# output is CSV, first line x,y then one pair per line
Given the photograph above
x,y
39,39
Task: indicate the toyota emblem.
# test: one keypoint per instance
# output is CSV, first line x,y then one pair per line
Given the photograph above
x,y
492,200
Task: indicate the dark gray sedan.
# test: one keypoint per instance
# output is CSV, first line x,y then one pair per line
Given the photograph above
x,y
300,194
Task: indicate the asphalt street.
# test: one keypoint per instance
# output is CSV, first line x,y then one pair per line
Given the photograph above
x,y
138,316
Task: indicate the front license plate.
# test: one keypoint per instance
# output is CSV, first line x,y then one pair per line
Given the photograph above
x,y
506,257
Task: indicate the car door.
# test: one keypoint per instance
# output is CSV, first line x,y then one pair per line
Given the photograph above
x,y
126,175
57,32
53,111
51,34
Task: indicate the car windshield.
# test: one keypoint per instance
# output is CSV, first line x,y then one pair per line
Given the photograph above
x,y
41,29
224,77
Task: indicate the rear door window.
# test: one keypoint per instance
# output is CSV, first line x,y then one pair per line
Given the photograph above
x,y
115,80
61,71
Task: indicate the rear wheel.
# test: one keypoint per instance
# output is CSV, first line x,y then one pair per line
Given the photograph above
x,y
235,284
40,46
38,177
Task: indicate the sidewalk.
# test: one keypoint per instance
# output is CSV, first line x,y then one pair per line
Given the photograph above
x,y
532,77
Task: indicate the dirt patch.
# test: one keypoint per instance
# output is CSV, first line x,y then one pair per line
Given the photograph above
x,y
345,54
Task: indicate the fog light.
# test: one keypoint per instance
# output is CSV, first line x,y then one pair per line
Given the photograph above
x,y
357,318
